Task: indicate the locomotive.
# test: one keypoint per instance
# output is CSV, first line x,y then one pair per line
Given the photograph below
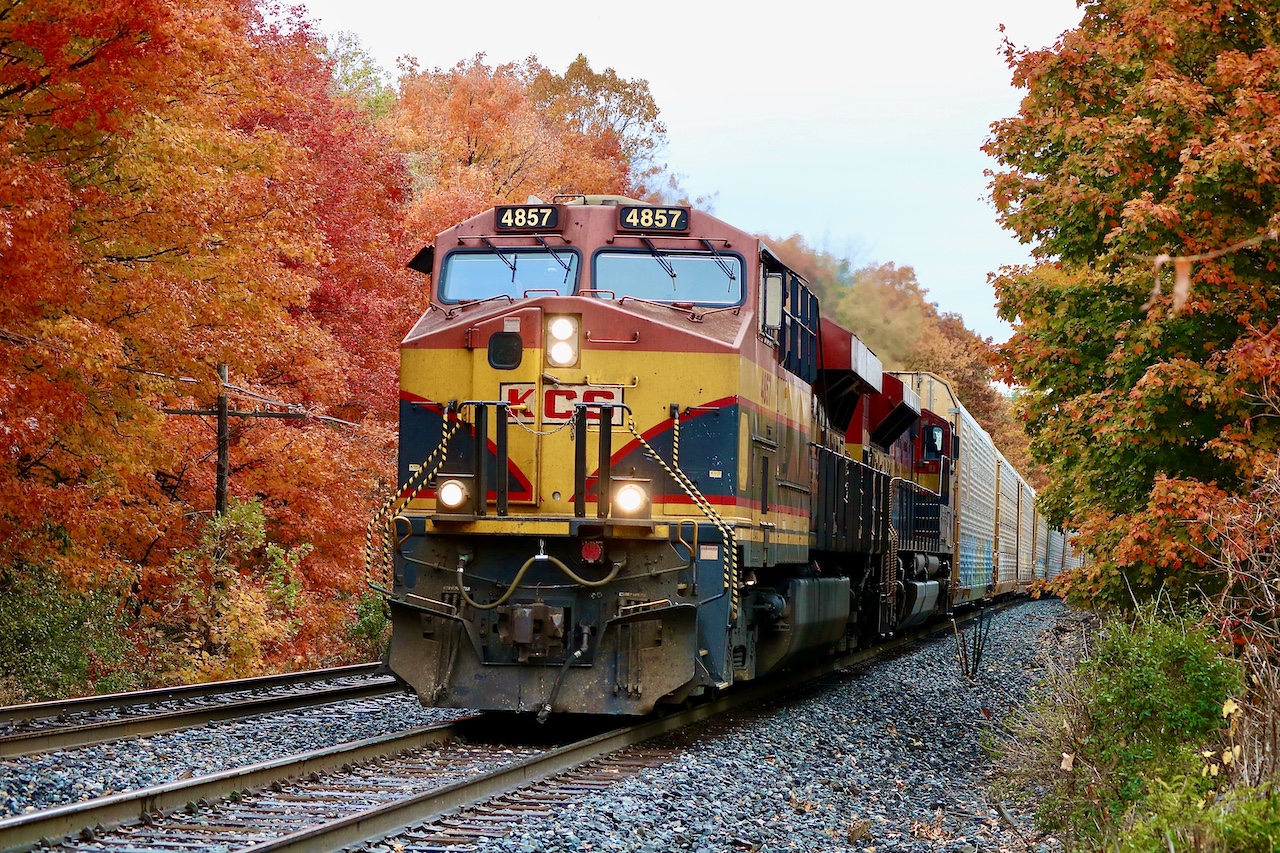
x,y
639,466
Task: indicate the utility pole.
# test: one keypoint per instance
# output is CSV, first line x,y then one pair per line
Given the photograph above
x,y
224,445
223,415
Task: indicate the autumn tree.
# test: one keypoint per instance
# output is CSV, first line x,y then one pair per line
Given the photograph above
x,y
66,94
476,135
887,305
182,190
1147,130
358,77
613,110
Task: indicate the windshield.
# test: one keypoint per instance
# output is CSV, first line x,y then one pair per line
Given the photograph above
x,y
507,272
661,277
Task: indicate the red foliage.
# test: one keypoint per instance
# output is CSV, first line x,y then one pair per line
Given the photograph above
x,y
183,188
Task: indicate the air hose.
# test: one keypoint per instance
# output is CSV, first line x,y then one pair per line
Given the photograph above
x,y
545,711
537,558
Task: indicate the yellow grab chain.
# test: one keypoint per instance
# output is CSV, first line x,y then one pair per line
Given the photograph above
x,y
730,559
380,558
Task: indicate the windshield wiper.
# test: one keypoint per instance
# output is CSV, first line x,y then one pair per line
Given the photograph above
x,y
553,254
511,265
657,256
720,260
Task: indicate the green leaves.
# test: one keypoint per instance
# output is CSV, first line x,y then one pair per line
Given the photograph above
x,y
1134,711
1145,132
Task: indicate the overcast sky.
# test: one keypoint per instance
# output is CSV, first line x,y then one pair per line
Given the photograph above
x,y
856,124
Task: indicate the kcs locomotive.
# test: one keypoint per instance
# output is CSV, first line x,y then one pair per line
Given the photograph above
x,y
639,466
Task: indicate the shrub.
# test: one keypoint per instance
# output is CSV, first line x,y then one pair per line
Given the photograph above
x,y
233,608
56,642
372,629
1135,709
1244,820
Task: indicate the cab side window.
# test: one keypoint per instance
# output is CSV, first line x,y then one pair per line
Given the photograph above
x,y
933,436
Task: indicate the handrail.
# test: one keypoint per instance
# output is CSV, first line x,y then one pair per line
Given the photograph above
x,y
635,339
385,517
730,558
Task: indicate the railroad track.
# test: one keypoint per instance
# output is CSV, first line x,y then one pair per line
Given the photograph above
x,y
403,792
339,797
46,726
463,828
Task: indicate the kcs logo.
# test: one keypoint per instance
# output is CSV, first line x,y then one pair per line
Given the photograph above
x,y
558,401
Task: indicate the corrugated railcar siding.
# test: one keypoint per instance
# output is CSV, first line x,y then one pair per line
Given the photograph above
x,y
1007,523
977,473
1071,559
1026,533
1057,543
1042,547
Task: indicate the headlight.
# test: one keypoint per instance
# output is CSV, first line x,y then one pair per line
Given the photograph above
x,y
562,341
563,328
452,494
630,499
562,354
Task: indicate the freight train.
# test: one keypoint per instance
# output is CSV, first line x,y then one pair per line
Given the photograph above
x,y
639,466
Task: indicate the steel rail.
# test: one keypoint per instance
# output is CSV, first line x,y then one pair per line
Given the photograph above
x,y
105,731
22,832
84,704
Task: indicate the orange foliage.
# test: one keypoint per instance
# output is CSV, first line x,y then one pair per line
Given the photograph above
x,y
1145,133
1166,546
476,136
235,214
184,187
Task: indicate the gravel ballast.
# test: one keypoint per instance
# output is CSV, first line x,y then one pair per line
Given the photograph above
x,y
890,759
71,775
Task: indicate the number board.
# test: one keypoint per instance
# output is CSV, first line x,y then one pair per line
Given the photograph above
x,y
527,217
646,218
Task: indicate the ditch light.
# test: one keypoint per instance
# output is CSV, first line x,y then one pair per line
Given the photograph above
x,y
454,494
630,499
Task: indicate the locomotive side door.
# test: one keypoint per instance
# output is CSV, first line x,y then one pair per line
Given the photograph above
x,y
764,453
